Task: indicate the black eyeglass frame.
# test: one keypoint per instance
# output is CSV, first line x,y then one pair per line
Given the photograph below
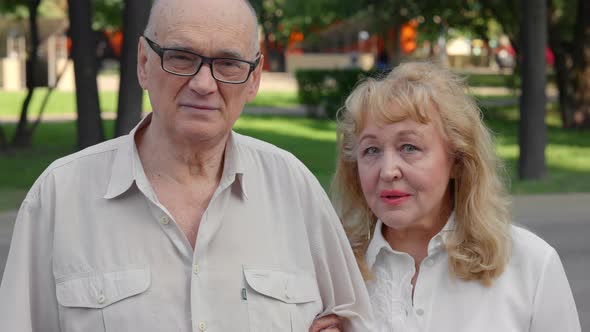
x,y
204,60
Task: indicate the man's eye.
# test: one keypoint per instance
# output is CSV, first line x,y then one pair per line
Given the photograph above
x,y
180,57
229,63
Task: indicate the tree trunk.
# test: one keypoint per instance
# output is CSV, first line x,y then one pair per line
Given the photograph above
x,y
396,47
3,141
23,135
532,127
130,103
582,66
562,71
89,122
442,44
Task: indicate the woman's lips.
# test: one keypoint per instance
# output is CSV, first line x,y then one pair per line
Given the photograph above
x,y
394,197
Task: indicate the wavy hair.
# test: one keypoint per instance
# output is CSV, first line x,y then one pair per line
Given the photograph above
x,y
480,245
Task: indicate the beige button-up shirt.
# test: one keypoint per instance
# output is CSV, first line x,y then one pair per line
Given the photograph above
x,y
531,295
94,250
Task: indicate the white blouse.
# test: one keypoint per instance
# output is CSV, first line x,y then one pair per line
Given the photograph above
x,y
532,294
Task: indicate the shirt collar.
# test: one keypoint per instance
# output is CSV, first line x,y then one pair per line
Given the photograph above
x,y
234,164
126,162
379,243
127,167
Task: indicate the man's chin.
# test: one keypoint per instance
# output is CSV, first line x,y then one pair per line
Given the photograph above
x,y
198,131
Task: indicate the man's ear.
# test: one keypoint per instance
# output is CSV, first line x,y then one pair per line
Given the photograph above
x,y
255,80
142,59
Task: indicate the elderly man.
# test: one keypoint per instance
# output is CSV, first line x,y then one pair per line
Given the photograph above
x,y
183,225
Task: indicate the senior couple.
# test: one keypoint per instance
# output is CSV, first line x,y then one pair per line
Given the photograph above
x,y
185,225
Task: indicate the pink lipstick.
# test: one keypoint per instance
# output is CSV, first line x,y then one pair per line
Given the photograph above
x,y
394,197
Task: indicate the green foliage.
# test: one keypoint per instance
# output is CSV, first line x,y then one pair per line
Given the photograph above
x,y
327,89
18,9
279,18
108,14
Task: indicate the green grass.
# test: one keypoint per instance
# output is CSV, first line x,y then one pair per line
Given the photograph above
x,y
275,99
313,141
493,80
61,102
567,153
498,80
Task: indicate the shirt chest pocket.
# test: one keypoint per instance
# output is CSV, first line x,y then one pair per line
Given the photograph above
x,y
279,300
98,301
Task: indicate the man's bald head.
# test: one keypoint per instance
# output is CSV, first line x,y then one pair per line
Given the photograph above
x,y
163,10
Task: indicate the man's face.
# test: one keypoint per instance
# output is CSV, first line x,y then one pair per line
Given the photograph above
x,y
199,108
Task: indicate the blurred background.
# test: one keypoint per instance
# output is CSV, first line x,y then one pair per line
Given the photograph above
x,y
68,81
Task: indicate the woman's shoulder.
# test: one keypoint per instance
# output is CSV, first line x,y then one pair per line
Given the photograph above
x,y
529,247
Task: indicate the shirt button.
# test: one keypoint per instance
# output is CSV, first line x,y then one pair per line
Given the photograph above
x,y
196,269
164,220
419,312
100,299
202,326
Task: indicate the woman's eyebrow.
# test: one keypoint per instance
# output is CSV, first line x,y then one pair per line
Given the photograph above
x,y
366,137
410,132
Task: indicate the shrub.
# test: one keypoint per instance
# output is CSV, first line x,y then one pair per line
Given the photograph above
x,y
323,92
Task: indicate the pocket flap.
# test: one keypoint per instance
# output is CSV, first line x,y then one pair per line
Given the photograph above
x,y
281,285
98,290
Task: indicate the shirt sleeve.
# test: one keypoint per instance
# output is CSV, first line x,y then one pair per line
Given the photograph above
x,y
341,284
27,293
554,308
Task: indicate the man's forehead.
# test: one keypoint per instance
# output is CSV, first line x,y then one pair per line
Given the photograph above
x,y
228,12
204,24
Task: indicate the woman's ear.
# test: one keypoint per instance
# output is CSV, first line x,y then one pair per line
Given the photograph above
x,y
455,169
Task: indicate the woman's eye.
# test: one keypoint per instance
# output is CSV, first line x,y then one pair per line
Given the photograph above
x,y
409,148
371,150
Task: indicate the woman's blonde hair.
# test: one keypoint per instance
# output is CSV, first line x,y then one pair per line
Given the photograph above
x,y
479,247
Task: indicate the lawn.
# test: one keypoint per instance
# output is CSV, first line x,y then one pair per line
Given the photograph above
x,y
498,80
313,141
61,102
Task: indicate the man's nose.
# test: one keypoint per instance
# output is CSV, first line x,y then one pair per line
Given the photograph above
x,y
391,167
203,82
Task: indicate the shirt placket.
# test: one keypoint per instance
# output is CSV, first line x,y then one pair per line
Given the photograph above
x,y
201,312
425,284
172,230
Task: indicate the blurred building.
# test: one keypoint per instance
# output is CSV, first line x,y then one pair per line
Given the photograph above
x,y
52,52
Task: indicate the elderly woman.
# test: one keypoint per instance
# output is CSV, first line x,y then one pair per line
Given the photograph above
x,y
418,189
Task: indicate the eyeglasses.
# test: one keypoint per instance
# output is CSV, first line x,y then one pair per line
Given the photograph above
x,y
186,63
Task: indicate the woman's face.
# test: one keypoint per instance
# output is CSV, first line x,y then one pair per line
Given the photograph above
x,y
404,170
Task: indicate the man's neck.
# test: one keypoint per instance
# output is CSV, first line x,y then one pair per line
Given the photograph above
x,y
183,162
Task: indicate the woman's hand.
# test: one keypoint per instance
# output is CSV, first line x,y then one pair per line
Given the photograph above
x,y
330,323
